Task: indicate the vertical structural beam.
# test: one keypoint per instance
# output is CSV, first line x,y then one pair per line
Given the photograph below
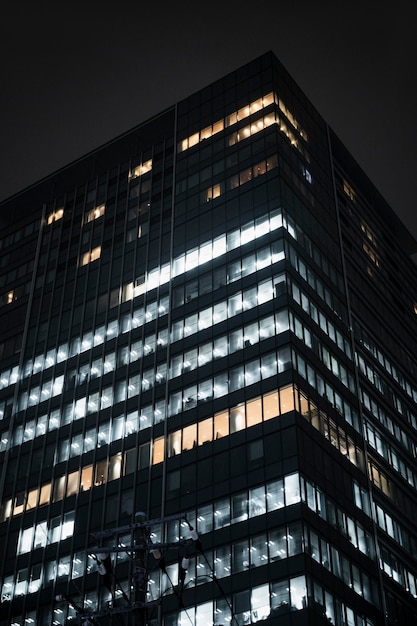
x,y
139,571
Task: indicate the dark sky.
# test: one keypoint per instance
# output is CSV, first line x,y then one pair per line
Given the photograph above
x,y
76,74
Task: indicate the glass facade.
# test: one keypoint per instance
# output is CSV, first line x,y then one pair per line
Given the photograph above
x,y
211,320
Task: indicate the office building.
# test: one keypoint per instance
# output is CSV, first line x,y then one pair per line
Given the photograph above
x,y
211,320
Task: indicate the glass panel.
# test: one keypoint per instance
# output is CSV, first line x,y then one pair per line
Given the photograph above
x,y
253,412
41,532
258,550
260,603
100,473
86,478
158,451
205,519
32,499
189,437
222,513
239,507
205,431
286,397
174,443
237,418
275,495
292,489
280,597
257,505
240,552
45,494
25,543
298,593
221,425
222,565
270,405
72,484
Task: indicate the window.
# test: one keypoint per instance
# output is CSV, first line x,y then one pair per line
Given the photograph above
x,y
158,451
213,192
349,191
100,473
92,255
95,213
10,297
140,170
25,542
55,215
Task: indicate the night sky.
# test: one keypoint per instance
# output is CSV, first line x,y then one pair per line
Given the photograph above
x,y
77,74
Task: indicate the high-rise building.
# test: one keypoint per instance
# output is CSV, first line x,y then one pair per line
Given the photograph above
x,y
211,320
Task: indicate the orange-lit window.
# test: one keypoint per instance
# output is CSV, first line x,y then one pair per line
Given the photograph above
x,y
221,424
45,494
206,133
259,169
271,407
193,140
213,192
92,255
142,169
292,120
205,431
189,437
304,410
32,500
86,478
231,119
371,254
286,398
10,297
158,451
369,233
95,213
349,191
72,484
243,113
254,412
55,216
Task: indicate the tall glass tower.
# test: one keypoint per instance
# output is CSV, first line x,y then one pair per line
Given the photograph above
x,y
208,396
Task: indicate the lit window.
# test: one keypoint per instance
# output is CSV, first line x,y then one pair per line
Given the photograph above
x,y
55,216
231,119
92,255
307,175
26,538
45,494
292,120
10,297
140,170
371,254
95,213
349,191
368,232
189,437
158,451
213,192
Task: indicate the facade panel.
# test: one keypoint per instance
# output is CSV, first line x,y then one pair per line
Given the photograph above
x,y
211,321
